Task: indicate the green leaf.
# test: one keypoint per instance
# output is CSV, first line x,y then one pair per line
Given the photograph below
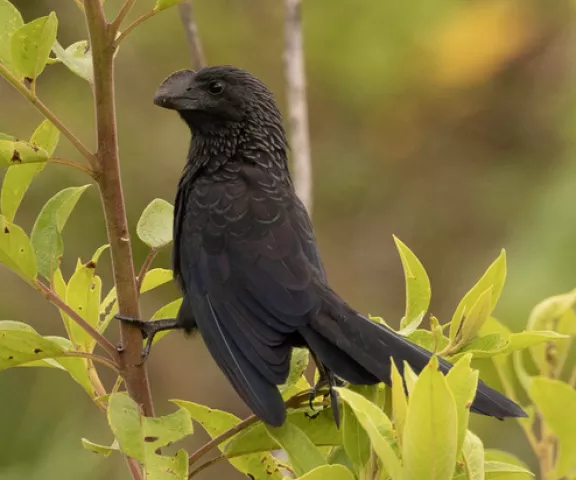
x,y
16,250
505,471
418,291
31,44
378,427
522,340
462,381
320,428
474,320
47,231
18,177
155,225
493,277
164,4
555,400
77,57
482,347
216,422
139,437
355,439
325,472
100,449
303,454
20,344
399,403
156,277
83,295
10,21
473,453
298,364
431,432
338,456
428,340
548,315
16,153
491,454
76,367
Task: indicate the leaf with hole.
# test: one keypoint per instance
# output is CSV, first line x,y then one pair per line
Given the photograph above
x,y
17,153
47,231
155,225
31,44
16,250
20,344
18,177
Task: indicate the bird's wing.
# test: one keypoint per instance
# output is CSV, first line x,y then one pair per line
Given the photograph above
x,y
248,260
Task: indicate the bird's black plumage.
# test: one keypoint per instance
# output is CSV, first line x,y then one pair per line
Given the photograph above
x,y
246,259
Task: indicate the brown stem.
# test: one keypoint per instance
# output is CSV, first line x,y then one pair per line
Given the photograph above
x,y
297,105
44,110
144,269
192,37
92,357
134,468
109,181
53,297
134,24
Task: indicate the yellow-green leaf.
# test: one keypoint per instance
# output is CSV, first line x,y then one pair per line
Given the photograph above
x,y
16,250
494,277
18,177
462,381
16,153
215,422
47,231
100,449
31,44
473,453
418,291
475,318
298,363
556,401
431,433
378,427
20,344
77,57
155,225
164,4
303,454
329,472
399,403
10,21
156,277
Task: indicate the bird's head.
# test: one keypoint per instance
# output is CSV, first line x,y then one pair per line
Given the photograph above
x,y
215,97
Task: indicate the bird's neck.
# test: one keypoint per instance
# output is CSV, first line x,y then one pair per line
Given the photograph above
x,y
254,142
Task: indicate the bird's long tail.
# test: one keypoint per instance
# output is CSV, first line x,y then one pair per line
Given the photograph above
x,y
358,350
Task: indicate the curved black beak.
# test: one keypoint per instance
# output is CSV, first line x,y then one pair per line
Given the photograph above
x,y
175,91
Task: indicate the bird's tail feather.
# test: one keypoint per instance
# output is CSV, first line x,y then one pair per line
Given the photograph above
x,y
344,340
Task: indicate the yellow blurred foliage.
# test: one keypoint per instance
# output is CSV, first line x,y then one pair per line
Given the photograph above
x,y
474,42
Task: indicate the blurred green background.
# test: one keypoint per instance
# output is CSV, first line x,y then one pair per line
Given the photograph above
x,y
449,123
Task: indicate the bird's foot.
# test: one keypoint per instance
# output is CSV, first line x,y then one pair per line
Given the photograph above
x,y
149,330
328,379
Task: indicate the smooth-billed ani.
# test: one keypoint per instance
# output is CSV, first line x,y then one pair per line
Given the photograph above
x,y
246,259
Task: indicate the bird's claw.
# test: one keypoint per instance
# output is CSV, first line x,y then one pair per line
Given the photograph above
x,y
146,328
327,378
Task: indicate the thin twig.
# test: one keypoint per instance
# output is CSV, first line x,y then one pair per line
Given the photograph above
x,y
134,468
207,464
122,14
192,36
204,449
44,110
243,425
69,163
297,105
53,297
94,357
134,24
144,269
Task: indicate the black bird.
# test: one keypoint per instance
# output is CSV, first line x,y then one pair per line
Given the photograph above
x,y
246,259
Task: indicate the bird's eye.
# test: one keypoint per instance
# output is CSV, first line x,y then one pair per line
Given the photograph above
x,y
216,88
